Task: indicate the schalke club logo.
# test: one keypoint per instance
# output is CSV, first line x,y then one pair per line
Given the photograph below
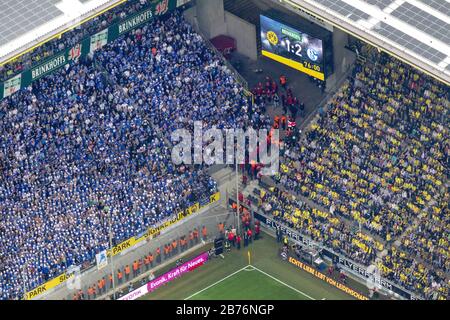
x,y
312,54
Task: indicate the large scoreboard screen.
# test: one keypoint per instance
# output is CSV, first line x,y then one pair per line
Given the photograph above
x,y
292,47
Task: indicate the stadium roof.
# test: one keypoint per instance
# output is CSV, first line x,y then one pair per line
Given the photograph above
x,y
416,31
27,23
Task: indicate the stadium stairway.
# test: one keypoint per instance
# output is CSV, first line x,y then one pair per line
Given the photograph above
x,y
269,182
245,189
253,191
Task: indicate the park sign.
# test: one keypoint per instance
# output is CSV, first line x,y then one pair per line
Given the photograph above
x,y
87,46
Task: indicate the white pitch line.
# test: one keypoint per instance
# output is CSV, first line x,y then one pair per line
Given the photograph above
x,y
249,268
290,287
253,269
215,283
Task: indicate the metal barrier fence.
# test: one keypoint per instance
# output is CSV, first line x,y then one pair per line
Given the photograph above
x,y
357,270
210,218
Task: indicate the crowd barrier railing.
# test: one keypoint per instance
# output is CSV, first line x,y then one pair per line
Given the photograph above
x,y
126,245
357,270
209,217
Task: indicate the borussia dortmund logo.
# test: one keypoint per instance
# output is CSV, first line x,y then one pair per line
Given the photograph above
x,y
272,37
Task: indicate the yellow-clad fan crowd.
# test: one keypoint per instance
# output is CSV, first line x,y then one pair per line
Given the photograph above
x,y
377,157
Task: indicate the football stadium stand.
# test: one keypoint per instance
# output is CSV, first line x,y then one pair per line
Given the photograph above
x,y
69,160
85,151
68,39
378,155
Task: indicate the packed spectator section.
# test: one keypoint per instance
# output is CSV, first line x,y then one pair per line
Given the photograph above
x,y
378,156
69,38
91,143
89,146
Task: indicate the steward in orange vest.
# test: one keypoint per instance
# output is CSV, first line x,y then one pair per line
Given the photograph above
x,y
196,235
174,245
204,232
127,272
119,275
276,122
150,258
221,227
110,280
135,268
191,238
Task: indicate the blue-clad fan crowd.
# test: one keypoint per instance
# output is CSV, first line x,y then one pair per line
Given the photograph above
x,y
69,38
85,143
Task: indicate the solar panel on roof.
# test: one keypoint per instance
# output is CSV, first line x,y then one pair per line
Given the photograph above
x,y
403,26
344,9
20,16
380,3
423,21
410,43
442,6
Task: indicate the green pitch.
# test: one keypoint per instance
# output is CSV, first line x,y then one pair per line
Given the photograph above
x,y
266,278
249,282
